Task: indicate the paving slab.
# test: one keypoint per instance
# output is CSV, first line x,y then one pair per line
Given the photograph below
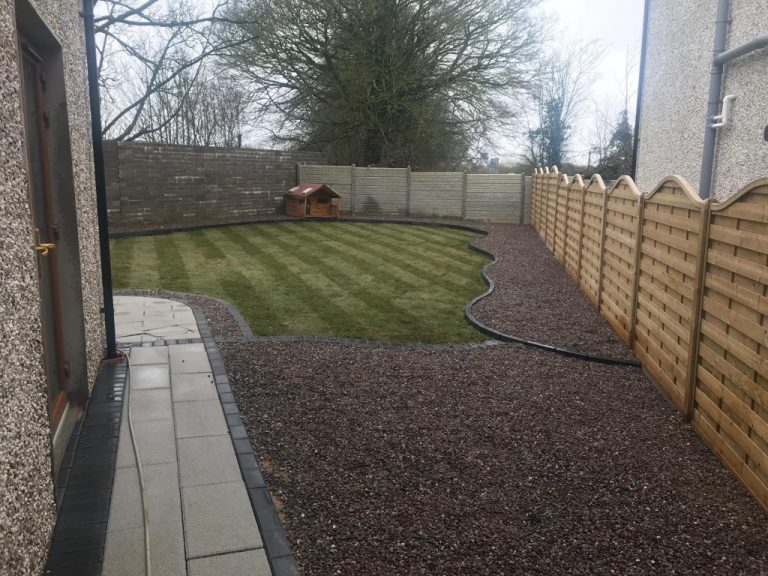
x,y
248,563
161,490
219,519
151,404
124,553
154,355
200,418
194,386
155,440
207,460
149,376
198,509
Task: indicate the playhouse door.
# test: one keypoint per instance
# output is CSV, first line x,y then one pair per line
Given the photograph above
x,y
44,230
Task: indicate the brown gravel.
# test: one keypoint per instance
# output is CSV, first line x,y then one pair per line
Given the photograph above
x,y
535,298
503,460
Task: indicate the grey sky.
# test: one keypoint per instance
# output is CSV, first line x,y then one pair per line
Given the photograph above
x,y
618,25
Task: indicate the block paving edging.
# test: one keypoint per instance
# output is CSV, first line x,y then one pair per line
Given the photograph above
x,y
86,477
276,546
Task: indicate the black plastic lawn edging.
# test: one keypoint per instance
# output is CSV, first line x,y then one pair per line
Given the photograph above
x,y
488,331
425,223
468,314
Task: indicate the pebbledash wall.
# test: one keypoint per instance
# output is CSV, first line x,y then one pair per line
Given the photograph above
x,y
401,192
680,40
158,186
27,508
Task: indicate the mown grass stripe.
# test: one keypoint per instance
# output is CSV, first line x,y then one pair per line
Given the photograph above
x,y
207,247
422,303
428,247
269,283
427,241
445,266
364,255
377,299
307,257
122,255
223,277
173,273
307,296
392,265
144,270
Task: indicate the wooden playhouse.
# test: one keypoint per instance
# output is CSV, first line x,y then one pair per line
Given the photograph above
x,y
312,201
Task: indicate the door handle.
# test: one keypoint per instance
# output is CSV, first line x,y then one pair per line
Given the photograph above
x,y
44,247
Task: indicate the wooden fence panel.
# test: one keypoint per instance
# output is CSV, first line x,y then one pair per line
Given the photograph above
x,y
592,232
686,283
730,404
667,284
574,222
561,213
618,273
552,180
535,200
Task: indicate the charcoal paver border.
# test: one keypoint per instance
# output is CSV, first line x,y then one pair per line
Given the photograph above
x,y
86,477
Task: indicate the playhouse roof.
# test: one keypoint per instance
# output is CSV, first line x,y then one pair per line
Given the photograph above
x,y
304,190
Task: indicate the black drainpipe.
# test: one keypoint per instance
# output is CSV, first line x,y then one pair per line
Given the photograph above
x,y
715,89
643,56
101,186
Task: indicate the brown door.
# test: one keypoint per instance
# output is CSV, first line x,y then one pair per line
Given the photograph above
x,y
44,229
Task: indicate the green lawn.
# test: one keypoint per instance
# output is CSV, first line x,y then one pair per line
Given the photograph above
x,y
385,282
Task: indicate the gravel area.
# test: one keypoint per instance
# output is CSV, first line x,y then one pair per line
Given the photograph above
x,y
535,298
503,460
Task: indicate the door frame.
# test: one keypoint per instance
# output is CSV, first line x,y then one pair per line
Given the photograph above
x,y
56,407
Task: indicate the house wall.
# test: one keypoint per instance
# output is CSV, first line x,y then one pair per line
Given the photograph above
x,y
27,510
676,86
157,186
742,152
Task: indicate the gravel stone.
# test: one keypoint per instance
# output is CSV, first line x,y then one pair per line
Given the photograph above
x,y
502,460
536,299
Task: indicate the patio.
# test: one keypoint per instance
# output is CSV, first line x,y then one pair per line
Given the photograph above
x,y
195,515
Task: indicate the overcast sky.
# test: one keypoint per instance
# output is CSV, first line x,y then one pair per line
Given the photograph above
x,y
618,24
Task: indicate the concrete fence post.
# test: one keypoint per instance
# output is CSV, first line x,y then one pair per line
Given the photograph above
x,y
408,192
464,197
353,192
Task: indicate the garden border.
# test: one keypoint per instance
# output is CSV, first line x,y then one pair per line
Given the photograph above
x,y
468,313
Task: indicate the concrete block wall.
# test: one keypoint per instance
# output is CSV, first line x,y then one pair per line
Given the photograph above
x,y
157,186
400,192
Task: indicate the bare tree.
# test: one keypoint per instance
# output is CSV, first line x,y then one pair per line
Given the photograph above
x,y
560,94
610,134
144,48
387,82
207,110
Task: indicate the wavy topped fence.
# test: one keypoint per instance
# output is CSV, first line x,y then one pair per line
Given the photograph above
x,y
685,283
